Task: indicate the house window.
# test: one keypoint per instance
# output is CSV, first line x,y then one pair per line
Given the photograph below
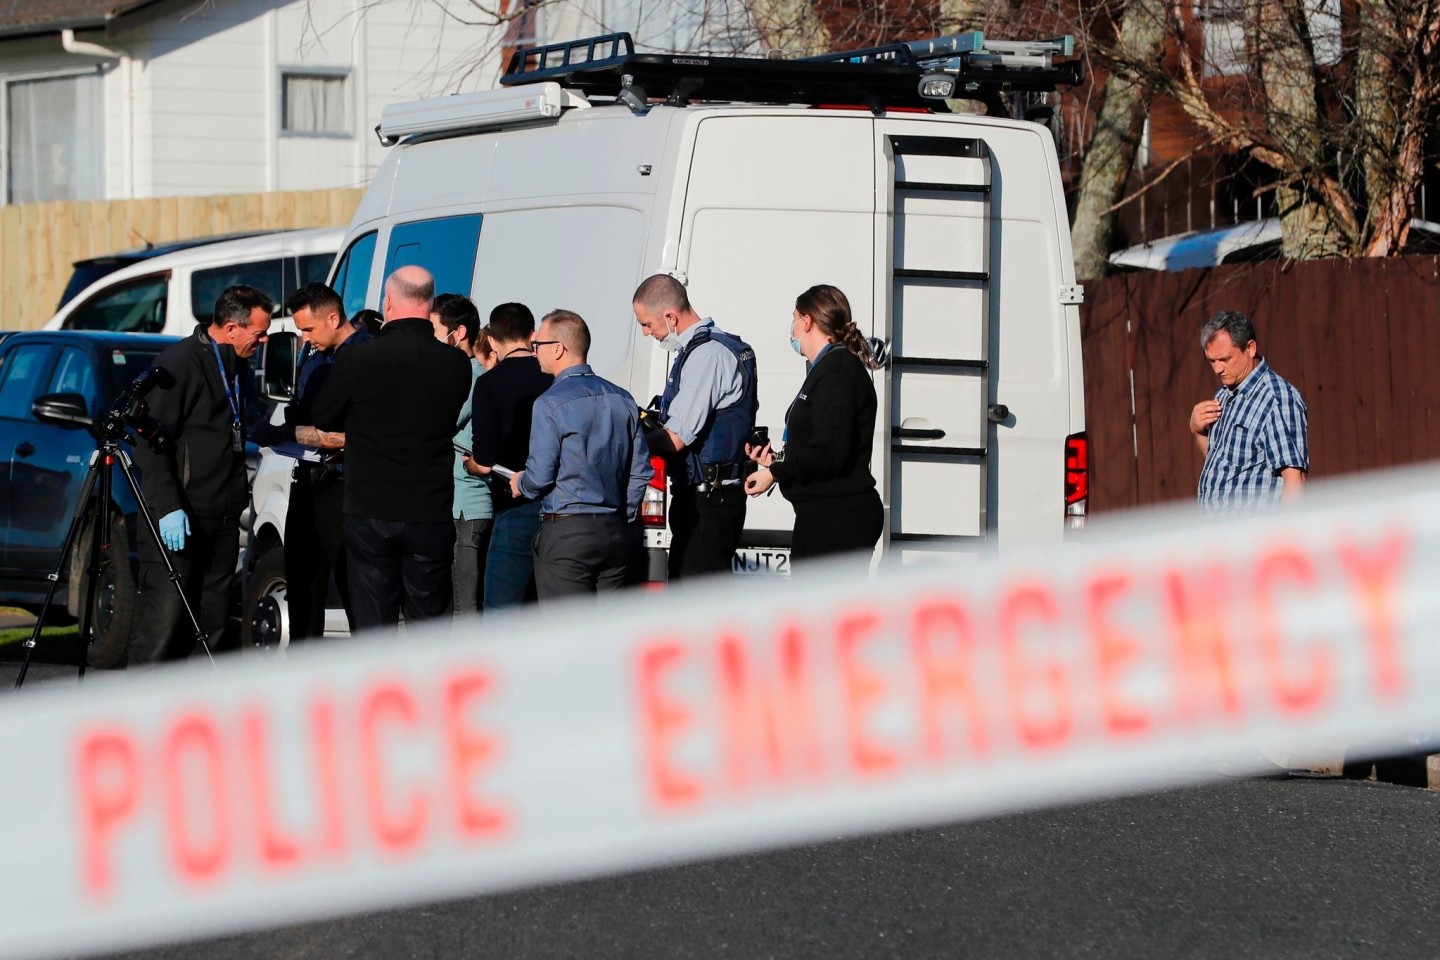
x,y
1223,25
314,104
54,139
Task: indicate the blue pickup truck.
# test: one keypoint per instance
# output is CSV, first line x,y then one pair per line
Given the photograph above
x,y
45,461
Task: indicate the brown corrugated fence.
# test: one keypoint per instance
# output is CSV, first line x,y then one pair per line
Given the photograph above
x,y
1359,338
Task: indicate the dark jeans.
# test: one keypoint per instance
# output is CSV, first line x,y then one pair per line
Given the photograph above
x,y
314,550
472,540
580,555
206,567
510,561
393,562
823,529
705,529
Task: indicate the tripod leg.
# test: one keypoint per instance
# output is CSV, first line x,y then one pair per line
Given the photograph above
x,y
99,544
87,492
149,519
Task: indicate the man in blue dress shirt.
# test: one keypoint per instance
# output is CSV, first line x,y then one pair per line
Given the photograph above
x,y
588,466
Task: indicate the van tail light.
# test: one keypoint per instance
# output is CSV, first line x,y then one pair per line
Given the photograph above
x,y
1077,480
652,506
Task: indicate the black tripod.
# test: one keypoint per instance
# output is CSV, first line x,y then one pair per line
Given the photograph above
x,y
95,505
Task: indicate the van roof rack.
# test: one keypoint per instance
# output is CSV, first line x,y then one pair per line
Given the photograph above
x,y
922,73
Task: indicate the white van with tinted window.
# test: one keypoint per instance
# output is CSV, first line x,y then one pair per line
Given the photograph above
x,y
169,294
752,180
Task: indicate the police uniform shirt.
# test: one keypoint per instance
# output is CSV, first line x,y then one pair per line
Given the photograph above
x,y
709,381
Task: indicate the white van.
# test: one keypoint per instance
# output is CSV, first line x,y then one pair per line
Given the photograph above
x,y
169,294
947,232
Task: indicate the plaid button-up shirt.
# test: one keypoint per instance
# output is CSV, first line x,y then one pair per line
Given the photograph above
x,y
1261,431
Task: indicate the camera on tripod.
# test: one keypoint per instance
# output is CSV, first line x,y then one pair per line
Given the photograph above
x,y
130,411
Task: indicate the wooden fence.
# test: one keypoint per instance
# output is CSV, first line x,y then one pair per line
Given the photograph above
x,y
40,241
1360,339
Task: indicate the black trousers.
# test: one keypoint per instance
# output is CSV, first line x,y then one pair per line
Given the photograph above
x,y
206,567
314,550
824,529
705,529
394,563
580,555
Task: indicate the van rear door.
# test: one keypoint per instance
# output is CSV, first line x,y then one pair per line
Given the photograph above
x,y
935,193
984,381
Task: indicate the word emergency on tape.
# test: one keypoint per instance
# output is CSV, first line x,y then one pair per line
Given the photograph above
x,y
588,739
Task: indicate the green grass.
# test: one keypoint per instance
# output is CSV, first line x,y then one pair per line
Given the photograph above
x,y
17,634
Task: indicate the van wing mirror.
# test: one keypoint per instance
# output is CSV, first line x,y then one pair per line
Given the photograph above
x,y
278,365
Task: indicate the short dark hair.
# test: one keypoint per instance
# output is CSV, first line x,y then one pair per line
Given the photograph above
x,y
368,320
315,297
236,302
570,328
1240,328
510,322
457,311
662,292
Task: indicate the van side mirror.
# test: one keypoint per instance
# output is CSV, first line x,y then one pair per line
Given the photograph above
x,y
278,365
66,409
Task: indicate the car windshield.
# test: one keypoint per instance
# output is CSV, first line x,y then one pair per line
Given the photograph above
x,y
126,364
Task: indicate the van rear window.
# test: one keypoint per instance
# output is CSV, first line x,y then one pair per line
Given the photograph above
x,y
278,277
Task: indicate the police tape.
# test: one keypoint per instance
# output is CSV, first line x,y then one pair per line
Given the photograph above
x,y
655,729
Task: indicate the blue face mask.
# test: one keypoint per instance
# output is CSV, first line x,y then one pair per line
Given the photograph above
x,y
795,345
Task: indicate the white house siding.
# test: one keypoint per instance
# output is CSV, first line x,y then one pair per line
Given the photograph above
x,y
193,106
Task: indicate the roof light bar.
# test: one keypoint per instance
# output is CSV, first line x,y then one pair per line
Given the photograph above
x,y
468,111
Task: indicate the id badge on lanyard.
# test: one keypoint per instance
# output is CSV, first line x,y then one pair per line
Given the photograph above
x,y
232,393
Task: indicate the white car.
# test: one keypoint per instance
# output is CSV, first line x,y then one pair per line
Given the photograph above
x,y
1237,243
169,294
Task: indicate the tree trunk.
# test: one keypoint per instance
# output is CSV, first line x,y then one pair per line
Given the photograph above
x,y
1118,125
1391,113
789,27
1287,72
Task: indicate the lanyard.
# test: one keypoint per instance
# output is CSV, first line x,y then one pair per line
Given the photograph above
x,y
232,391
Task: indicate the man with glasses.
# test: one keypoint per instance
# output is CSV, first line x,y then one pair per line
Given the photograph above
x,y
588,467
500,421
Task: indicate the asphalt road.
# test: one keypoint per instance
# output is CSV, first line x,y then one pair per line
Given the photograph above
x,y
1304,867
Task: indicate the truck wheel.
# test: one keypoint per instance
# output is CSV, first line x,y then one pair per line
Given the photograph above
x,y
115,600
265,620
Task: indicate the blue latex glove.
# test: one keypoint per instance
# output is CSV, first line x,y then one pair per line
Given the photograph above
x,y
174,526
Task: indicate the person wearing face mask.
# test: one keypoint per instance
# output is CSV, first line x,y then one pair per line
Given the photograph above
x,y
706,413
198,485
824,469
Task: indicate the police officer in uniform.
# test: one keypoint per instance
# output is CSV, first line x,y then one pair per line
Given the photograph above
x,y
706,416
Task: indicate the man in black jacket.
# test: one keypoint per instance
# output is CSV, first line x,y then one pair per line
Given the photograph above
x,y
397,399
314,520
197,487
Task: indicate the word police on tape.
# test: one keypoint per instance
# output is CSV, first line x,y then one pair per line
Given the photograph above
x,y
591,739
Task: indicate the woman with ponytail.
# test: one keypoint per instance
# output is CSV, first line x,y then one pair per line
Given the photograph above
x,y
824,469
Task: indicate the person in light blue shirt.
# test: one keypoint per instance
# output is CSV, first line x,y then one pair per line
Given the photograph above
x,y
588,467
457,322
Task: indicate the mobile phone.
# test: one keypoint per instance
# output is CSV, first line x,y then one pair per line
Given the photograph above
x,y
459,448
759,436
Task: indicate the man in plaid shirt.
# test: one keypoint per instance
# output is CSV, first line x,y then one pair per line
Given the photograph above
x,y
1253,433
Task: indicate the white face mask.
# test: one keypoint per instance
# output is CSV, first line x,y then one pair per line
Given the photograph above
x,y
670,343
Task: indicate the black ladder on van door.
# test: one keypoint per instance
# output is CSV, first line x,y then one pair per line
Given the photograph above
x,y
904,448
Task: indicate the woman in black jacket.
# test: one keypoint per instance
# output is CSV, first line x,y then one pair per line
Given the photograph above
x,y
824,469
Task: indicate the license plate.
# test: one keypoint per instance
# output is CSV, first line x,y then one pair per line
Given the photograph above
x,y
762,560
